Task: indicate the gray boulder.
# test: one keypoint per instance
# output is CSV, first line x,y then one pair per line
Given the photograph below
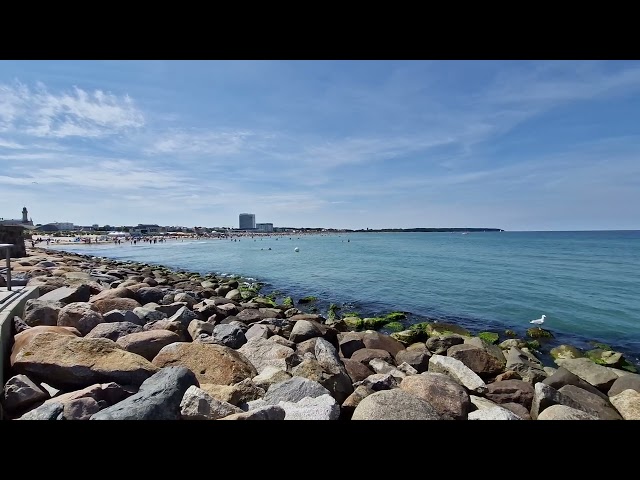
x,y
562,412
159,397
20,392
591,403
267,412
293,390
493,413
323,407
199,405
46,411
122,316
113,331
65,295
592,373
562,377
38,312
394,404
544,396
627,382
230,335
459,372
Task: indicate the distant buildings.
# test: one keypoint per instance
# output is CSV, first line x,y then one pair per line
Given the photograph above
x,y
25,221
264,227
247,221
143,229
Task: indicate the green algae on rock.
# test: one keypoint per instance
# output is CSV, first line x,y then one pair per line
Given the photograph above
x,y
489,337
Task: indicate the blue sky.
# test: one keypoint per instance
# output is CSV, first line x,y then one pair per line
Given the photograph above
x,y
519,145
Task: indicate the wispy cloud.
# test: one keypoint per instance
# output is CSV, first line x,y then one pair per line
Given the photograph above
x,y
199,142
74,113
11,145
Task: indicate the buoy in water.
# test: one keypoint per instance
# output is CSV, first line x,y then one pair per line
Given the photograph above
x,y
296,249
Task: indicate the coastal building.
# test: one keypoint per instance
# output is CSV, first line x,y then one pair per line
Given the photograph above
x,y
264,227
25,221
64,225
147,229
247,221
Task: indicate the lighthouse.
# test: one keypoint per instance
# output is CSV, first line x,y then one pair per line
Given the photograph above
x,y
25,217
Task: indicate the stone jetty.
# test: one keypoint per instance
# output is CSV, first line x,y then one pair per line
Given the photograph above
x,y
110,340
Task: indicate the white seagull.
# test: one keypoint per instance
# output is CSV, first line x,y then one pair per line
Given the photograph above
x,y
539,321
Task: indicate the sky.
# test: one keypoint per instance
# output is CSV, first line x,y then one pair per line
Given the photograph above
x,y
517,145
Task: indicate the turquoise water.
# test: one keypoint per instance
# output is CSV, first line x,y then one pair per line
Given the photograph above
x,y
586,283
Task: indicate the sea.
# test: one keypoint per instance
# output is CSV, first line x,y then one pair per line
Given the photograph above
x,y
587,283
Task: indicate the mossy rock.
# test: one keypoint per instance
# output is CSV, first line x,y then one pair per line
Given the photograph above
x,y
448,328
422,327
410,336
489,337
374,323
272,296
307,299
287,302
267,302
333,308
600,345
537,332
565,352
628,367
247,294
510,333
532,344
353,322
351,314
607,358
395,316
394,326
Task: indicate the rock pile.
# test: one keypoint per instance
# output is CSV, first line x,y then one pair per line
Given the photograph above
x,y
109,340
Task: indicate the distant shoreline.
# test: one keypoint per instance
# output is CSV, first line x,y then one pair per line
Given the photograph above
x,y
436,230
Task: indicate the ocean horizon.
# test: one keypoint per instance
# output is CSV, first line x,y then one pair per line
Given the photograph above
x,y
586,282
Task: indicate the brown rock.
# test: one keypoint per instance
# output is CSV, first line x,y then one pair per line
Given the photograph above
x,y
120,292
448,397
365,355
210,363
149,343
357,371
79,315
65,361
23,338
116,303
376,340
511,391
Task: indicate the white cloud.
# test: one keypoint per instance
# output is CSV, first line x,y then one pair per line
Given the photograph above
x,y
11,145
104,175
557,82
210,143
41,113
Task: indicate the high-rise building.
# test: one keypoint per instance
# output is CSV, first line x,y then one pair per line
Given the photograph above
x,y
247,221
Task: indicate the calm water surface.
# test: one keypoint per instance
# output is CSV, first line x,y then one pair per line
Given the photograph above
x,y
586,283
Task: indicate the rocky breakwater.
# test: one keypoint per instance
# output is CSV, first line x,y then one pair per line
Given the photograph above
x,y
109,340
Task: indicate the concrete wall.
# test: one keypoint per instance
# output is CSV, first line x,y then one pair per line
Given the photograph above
x,y
12,306
15,235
